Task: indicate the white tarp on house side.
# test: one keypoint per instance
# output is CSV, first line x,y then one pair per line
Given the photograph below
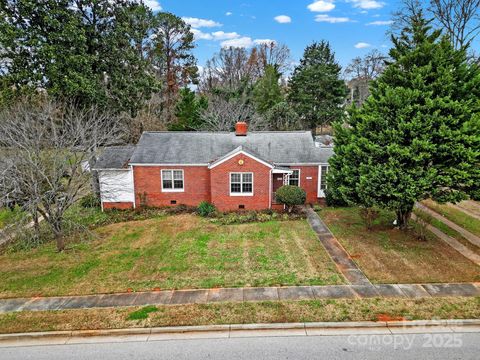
x,y
116,185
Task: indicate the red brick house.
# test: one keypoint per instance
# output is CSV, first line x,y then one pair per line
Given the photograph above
x,y
238,170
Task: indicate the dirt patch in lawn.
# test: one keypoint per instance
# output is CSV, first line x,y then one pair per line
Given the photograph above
x,y
182,251
234,313
389,255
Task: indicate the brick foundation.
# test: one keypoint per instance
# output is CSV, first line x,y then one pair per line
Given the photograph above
x,y
117,205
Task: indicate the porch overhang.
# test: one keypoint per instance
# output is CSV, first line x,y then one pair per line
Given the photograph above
x,y
282,170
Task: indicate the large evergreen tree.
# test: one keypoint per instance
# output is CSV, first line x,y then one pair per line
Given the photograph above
x,y
418,135
316,91
89,52
187,111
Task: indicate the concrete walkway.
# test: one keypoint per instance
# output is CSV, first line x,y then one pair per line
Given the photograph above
x,y
204,296
474,239
454,243
469,207
338,254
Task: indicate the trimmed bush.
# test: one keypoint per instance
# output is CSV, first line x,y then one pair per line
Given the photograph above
x,y
291,196
206,209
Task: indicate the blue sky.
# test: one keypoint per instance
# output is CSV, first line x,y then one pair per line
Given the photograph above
x,y
353,27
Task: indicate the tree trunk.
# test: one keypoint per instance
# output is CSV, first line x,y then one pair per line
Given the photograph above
x,y
403,216
94,178
36,225
58,231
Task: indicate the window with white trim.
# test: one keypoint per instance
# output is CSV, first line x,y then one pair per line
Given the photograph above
x,y
241,183
172,180
323,177
294,178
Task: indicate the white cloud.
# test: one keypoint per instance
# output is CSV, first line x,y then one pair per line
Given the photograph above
x,y
283,19
228,13
200,23
331,19
367,4
321,6
243,42
362,45
220,35
200,35
217,35
380,22
263,41
153,4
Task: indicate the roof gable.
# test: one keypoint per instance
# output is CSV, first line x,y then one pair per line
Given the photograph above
x,y
237,151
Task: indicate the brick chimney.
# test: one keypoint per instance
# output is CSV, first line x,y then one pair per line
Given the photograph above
x,y
241,128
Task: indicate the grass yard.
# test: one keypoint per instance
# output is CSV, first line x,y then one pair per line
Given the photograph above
x,y
182,251
238,313
388,255
8,216
466,221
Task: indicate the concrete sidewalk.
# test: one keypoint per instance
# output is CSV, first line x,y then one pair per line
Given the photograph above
x,y
204,296
239,331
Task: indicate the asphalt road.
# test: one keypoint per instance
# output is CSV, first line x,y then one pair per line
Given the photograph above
x,y
405,346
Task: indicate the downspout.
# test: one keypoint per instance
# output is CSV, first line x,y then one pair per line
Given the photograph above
x,y
134,192
270,190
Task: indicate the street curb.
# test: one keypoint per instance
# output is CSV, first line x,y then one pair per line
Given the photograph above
x,y
238,327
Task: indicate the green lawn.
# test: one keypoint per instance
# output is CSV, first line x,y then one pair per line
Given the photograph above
x,y
468,222
8,216
389,255
183,251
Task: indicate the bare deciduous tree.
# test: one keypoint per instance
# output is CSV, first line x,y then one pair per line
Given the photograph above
x,y
234,68
368,67
277,55
223,114
360,72
460,18
47,145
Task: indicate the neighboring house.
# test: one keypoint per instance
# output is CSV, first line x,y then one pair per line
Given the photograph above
x,y
237,170
358,91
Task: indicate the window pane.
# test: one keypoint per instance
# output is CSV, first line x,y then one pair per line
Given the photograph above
x,y
247,187
235,188
323,180
178,184
167,184
235,178
178,175
247,178
294,178
167,174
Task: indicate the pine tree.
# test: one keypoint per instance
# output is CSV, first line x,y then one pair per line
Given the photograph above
x,y
418,135
267,92
316,91
187,111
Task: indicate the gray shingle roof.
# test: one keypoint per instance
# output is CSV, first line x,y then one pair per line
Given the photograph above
x,y
115,157
283,147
